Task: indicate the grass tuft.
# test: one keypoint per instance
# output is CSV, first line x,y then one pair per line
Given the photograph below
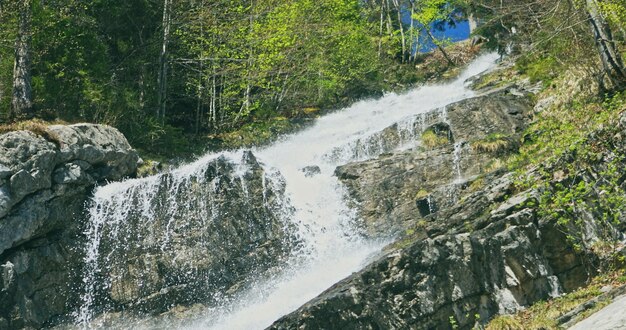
x,y
36,126
432,140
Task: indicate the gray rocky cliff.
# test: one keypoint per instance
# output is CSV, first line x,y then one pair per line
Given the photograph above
x,y
469,264
71,253
391,190
44,184
188,236
468,245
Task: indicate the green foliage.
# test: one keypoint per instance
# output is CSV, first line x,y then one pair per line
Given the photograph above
x,y
544,69
430,11
476,185
571,198
453,323
69,64
578,172
543,314
230,64
256,133
615,11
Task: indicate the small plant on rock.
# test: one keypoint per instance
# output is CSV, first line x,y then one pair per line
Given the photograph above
x,y
494,143
432,140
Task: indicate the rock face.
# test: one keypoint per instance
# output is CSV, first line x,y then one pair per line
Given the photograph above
x,y
436,278
486,250
470,246
43,187
390,190
188,236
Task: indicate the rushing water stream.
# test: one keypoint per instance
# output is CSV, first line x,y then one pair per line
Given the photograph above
x,y
330,245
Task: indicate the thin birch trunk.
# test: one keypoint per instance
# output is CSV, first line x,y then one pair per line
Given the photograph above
x,y
22,103
162,79
399,14
611,58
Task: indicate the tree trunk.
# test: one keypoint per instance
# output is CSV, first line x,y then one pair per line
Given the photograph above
x,y
441,49
162,79
611,59
200,86
380,34
473,22
401,26
389,24
412,41
213,104
22,103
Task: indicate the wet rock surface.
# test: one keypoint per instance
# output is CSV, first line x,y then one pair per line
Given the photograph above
x,y
391,190
43,187
191,237
461,266
470,246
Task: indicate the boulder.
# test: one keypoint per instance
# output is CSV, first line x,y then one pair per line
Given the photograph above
x,y
187,236
484,249
310,171
44,184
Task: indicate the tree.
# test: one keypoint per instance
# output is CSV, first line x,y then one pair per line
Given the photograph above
x,y
163,59
430,12
577,25
609,54
22,103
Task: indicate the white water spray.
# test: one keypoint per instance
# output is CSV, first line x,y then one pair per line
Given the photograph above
x,y
331,245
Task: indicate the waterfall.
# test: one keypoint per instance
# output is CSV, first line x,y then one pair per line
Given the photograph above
x,y
139,227
458,150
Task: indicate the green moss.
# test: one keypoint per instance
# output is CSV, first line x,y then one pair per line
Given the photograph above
x,y
421,194
495,79
258,133
476,185
493,143
505,322
36,126
147,168
431,140
544,69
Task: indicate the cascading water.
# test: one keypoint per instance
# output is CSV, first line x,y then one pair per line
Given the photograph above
x,y
139,227
458,150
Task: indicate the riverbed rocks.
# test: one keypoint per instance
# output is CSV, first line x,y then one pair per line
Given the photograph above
x,y
45,179
461,258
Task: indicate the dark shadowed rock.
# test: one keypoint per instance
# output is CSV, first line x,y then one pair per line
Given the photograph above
x,y
430,277
311,171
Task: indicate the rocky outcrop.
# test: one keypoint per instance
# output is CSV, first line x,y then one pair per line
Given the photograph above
x,y
483,263
192,235
486,254
45,180
492,250
391,190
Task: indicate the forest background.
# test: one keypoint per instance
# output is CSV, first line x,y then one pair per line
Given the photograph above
x,y
177,76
